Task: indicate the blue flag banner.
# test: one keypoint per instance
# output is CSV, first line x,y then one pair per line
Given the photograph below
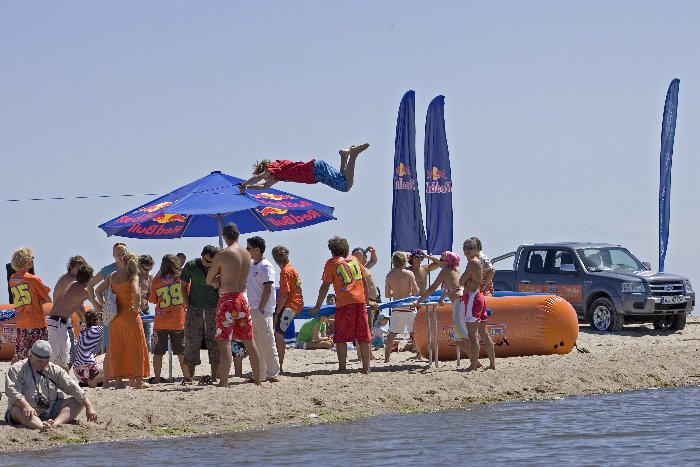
x,y
407,232
668,133
438,180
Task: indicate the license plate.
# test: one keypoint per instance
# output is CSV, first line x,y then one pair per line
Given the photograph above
x,y
674,299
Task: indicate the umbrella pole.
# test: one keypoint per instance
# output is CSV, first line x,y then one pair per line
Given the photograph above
x,y
220,228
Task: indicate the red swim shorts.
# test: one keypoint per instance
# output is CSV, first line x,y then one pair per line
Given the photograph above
x,y
233,317
475,307
351,323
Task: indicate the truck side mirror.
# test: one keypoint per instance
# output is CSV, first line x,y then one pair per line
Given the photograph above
x,y
647,265
567,268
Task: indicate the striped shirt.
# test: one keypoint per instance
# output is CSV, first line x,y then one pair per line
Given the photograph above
x,y
89,344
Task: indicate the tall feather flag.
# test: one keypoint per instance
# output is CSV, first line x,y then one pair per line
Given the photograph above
x,y
438,180
407,232
668,133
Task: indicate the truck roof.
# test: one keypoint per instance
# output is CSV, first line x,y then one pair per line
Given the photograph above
x,y
574,245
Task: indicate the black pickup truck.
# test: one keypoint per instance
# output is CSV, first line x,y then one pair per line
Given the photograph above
x,y
606,284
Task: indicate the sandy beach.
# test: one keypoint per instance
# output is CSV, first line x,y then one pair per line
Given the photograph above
x,y
637,358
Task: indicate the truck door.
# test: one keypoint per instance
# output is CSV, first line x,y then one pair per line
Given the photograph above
x,y
532,277
565,282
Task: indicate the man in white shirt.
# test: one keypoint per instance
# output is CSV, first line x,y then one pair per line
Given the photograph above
x,y
261,297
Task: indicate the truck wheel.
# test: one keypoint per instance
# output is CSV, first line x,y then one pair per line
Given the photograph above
x,y
678,322
604,317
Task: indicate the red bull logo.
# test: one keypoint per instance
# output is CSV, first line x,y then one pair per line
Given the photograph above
x,y
268,211
155,207
436,181
294,219
402,170
166,218
435,174
399,182
272,196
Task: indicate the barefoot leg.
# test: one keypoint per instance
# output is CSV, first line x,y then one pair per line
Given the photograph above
x,y
490,350
254,360
225,359
71,408
472,329
348,169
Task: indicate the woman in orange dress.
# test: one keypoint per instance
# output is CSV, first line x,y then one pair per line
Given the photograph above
x,y
128,353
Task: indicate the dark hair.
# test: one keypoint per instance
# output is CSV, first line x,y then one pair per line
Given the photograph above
x,y
280,254
339,246
84,273
146,261
170,265
210,250
260,167
90,318
75,261
231,231
257,242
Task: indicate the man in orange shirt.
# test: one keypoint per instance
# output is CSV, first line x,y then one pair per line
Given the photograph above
x,y
169,323
28,295
289,300
344,273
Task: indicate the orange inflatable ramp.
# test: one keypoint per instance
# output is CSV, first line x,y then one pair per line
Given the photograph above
x,y
519,326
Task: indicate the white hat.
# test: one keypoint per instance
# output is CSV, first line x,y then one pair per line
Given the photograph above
x,y
41,350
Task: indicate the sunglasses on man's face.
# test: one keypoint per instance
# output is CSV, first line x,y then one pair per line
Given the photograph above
x,y
206,260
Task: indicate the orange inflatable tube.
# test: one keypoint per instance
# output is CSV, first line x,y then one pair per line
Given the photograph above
x,y
8,330
519,326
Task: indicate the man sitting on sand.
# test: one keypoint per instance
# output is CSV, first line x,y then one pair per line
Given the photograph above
x,y
32,388
228,273
314,171
312,335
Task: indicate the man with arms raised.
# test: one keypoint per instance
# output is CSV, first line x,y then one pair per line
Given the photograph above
x,y
69,302
400,283
344,273
421,272
228,273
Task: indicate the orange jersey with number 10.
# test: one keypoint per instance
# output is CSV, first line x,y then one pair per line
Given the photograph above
x,y
346,276
166,293
28,294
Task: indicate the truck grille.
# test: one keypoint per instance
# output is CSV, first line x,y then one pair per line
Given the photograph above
x,y
666,288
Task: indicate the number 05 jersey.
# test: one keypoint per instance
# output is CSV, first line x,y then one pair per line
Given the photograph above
x,y
167,294
346,276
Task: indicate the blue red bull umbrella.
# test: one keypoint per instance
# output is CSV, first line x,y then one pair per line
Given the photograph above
x,y
201,208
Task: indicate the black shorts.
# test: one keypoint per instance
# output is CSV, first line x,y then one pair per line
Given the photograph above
x,y
177,340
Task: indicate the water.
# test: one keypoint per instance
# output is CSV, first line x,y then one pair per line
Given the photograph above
x,y
649,427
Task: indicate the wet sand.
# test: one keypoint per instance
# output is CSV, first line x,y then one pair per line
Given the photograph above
x,y
637,358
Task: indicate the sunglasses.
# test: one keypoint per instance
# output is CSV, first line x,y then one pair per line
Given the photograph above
x,y
469,248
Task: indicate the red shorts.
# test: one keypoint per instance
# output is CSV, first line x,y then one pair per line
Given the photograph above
x,y
233,317
475,307
26,338
351,323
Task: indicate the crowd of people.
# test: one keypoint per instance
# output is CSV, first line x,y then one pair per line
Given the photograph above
x,y
229,299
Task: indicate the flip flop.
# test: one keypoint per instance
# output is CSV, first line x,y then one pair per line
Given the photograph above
x,y
205,381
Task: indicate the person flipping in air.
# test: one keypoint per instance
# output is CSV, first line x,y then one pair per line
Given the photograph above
x,y
314,171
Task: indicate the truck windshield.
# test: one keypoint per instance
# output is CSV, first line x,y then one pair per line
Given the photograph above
x,y
608,259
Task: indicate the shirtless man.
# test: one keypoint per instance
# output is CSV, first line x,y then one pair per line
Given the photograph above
x,y
229,273
65,280
421,272
67,303
365,265
400,283
313,171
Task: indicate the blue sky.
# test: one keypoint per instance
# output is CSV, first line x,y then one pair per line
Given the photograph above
x,y
553,115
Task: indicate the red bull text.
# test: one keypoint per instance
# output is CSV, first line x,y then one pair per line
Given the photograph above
x,y
156,230
294,219
399,173
433,179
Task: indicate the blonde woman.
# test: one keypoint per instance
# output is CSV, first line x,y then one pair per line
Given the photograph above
x,y
128,353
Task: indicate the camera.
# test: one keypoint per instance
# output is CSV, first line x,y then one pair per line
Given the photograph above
x,y
42,401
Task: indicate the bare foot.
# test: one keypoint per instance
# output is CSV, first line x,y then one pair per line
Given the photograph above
x,y
142,386
491,367
253,381
273,380
340,371
47,425
353,150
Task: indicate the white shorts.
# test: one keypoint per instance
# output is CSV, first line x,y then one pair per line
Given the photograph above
x,y
459,320
59,341
401,321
